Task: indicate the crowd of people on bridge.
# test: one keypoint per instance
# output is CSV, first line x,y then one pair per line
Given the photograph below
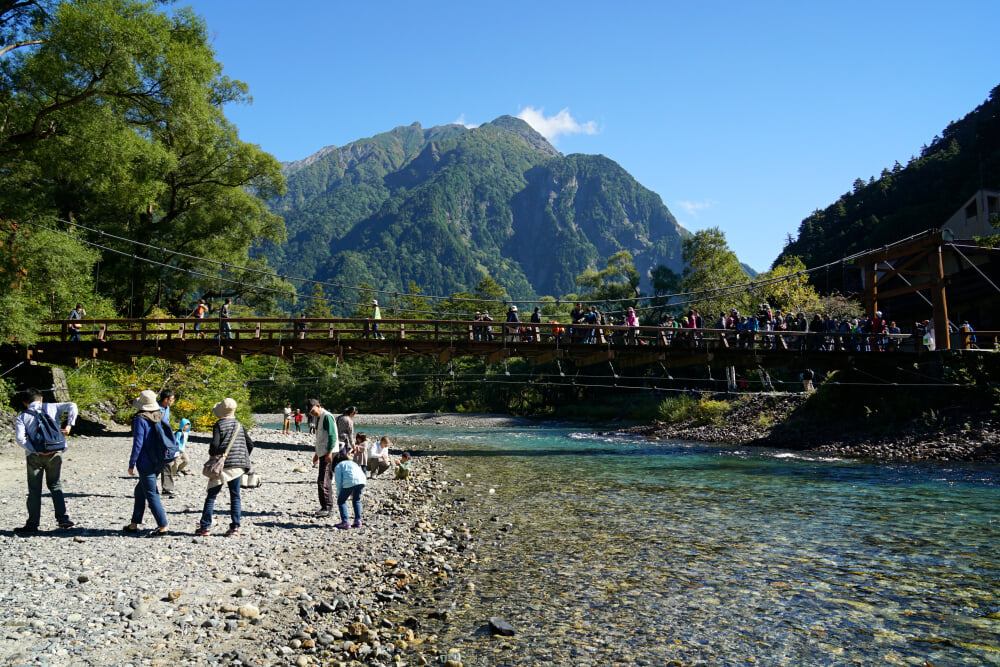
x,y
763,328
590,325
345,460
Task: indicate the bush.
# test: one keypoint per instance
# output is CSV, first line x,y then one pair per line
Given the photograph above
x,y
692,408
677,408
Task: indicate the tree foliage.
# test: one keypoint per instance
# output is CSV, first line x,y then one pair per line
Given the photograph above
x,y
111,116
710,268
617,281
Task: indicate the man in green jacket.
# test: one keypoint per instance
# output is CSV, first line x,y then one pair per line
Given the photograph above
x,y
326,447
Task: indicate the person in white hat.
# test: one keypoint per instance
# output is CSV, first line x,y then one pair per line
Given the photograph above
x,y
148,432
511,329
229,439
376,316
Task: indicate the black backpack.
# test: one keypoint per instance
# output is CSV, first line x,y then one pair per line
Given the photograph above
x,y
48,437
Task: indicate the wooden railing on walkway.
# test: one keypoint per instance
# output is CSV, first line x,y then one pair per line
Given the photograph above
x,y
181,338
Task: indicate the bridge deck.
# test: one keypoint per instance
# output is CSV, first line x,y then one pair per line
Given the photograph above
x,y
124,341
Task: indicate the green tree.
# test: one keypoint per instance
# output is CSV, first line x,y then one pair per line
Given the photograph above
x,y
617,281
710,269
791,291
113,119
43,276
316,305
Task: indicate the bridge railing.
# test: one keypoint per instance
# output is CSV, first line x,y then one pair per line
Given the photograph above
x,y
337,330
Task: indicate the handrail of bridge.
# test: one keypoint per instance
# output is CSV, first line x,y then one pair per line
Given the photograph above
x,y
505,333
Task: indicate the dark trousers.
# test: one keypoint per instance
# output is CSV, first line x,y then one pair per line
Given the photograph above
x,y
235,504
51,467
325,481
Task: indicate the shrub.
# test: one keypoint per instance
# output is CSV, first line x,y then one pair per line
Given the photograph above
x,y
699,410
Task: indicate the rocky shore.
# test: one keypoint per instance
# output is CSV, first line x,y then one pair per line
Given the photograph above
x,y
765,421
289,590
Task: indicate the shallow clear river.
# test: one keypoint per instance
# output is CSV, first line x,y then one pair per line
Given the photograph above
x,y
606,549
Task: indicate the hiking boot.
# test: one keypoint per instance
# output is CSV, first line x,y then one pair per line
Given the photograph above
x,y
322,514
356,524
343,525
129,530
66,523
157,532
26,530
201,532
233,531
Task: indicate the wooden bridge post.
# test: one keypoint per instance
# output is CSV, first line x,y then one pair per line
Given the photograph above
x,y
942,339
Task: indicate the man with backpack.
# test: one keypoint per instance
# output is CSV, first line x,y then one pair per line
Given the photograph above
x,y
38,430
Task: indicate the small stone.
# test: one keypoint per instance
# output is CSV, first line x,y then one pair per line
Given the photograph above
x,y
74,618
83,578
498,626
173,595
243,592
249,611
140,610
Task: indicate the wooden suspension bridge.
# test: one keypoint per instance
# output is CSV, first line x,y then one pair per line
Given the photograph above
x,y
180,339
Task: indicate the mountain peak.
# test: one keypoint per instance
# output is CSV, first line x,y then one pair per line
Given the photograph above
x,y
526,132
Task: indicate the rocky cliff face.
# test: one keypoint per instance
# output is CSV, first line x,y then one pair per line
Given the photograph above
x,y
446,206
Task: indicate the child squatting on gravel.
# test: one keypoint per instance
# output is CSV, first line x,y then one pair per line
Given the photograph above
x,y
350,479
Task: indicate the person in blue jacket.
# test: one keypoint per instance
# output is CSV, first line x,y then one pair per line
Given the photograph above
x,y
147,459
351,481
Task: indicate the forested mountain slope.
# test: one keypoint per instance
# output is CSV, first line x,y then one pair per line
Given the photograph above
x,y
446,206
907,200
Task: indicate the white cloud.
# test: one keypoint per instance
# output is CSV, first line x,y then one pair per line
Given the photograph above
x,y
693,207
461,121
552,127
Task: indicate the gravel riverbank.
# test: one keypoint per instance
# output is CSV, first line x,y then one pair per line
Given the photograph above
x,y
764,421
290,589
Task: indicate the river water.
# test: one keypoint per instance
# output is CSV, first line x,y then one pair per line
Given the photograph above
x,y
607,549
616,550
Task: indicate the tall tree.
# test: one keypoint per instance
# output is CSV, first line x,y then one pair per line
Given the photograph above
x,y
617,281
112,117
316,305
710,268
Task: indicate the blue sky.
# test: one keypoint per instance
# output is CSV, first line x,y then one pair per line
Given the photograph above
x,y
745,116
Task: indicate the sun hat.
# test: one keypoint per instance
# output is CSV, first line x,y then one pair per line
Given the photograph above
x,y
224,408
146,401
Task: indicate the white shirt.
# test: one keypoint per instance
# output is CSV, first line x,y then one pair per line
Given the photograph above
x,y
377,451
25,428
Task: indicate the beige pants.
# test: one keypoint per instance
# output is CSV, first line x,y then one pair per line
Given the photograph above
x,y
180,463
